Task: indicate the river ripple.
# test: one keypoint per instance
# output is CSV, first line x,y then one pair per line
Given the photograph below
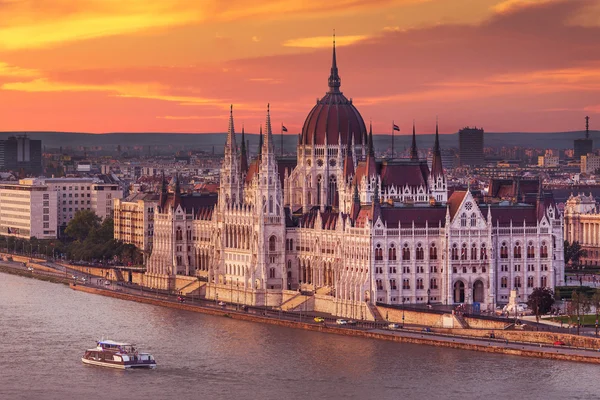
x,y
45,327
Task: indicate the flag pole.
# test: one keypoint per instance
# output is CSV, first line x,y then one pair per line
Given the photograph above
x,y
393,139
282,139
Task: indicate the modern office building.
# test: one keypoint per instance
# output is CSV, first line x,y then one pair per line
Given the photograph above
x,y
590,163
470,143
28,209
21,154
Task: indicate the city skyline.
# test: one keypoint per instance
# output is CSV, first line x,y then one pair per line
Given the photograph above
x,y
176,66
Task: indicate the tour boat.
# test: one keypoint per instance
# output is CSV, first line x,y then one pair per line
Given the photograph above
x,y
113,354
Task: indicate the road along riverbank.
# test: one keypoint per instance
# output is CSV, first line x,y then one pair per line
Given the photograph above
x,y
401,336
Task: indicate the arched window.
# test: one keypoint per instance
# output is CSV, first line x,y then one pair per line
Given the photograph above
x,y
420,284
463,252
544,250
272,243
463,220
378,252
483,255
473,251
433,283
319,179
504,282
454,252
530,281
379,284
406,253
543,281
392,252
393,284
433,252
530,250
420,253
504,250
178,234
517,282
332,189
517,250
270,204
473,219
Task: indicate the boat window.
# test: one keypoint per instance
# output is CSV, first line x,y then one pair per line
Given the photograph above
x,y
117,358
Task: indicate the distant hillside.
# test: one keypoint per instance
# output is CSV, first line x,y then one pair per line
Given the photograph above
x,y
188,141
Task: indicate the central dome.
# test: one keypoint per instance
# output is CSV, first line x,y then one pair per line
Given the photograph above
x,y
333,117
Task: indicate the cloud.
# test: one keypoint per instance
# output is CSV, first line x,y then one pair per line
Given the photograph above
x,y
7,70
324,41
514,5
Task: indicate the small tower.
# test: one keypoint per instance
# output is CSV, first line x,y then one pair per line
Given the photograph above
x,y
414,153
230,190
437,180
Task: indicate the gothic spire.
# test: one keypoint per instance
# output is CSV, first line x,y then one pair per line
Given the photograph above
x,y
231,145
414,154
163,190
260,143
355,209
376,206
371,167
177,191
268,141
334,78
348,161
243,155
436,163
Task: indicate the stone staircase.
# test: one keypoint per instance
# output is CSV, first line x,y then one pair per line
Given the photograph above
x,y
375,312
119,275
295,302
461,321
325,290
189,287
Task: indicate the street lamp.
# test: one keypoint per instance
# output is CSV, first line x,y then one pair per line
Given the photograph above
x,y
237,285
403,300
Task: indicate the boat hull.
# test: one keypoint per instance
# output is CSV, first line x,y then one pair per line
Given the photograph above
x,y
117,365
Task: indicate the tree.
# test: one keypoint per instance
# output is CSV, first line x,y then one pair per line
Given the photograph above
x,y
580,304
573,252
540,301
82,224
595,302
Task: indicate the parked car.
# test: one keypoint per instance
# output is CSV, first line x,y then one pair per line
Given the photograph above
x,y
394,325
107,282
30,269
341,322
559,343
222,304
426,330
352,322
319,319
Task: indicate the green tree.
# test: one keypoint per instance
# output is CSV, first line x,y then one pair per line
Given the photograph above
x,y
540,301
595,302
82,224
580,304
573,253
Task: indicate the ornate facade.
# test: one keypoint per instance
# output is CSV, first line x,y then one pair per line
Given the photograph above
x,y
337,230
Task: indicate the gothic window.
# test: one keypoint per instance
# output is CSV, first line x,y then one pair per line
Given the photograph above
x,y
517,250
454,252
530,250
463,220
272,243
433,283
420,283
332,189
463,252
483,255
319,189
420,253
272,273
379,283
406,253
504,282
378,253
392,252
473,251
544,250
543,281
473,219
504,250
433,252
530,281
393,284
405,284
178,234
270,204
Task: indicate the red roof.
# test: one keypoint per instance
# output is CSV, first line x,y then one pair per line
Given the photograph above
x,y
455,201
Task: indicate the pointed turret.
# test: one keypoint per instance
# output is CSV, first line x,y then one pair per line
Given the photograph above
x,y
260,143
334,78
177,192
414,154
230,144
243,155
268,139
436,162
355,209
376,206
371,166
348,161
163,191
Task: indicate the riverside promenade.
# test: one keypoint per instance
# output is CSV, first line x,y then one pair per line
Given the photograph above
x,y
365,329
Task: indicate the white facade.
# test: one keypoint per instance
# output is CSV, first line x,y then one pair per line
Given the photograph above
x,y
548,161
590,163
28,209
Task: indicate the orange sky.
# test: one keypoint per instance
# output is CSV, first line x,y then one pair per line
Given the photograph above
x,y
176,65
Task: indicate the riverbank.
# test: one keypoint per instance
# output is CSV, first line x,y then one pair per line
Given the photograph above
x,y
400,336
47,276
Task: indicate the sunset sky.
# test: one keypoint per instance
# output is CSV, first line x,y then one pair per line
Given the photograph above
x,y
176,65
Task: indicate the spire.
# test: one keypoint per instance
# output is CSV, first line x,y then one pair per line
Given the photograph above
x,y
436,163
177,192
163,190
371,167
243,155
348,161
268,140
376,206
355,205
231,145
334,78
260,143
414,154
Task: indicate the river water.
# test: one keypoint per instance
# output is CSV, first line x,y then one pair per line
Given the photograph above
x,y
45,328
